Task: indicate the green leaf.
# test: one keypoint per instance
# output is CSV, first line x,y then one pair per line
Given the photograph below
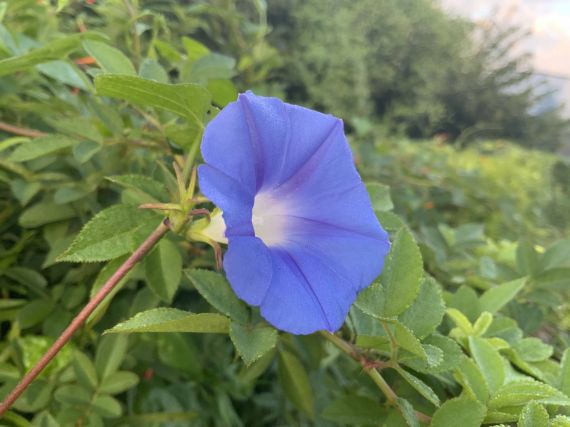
x,y
402,274
557,255
560,421
45,212
421,387
407,412
482,324
34,312
459,412
55,49
527,258
149,187
174,320
119,382
111,351
44,419
216,290
187,100
533,415
42,146
84,370
212,66
109,58
390,221
449,355
66,73
379,196
426,312
408,341
471,378
533,349
163,269
565,373
520,392
252,341
496,298
223,92
295,382
73,395
371,300
194,49
110,234
355,410
490,362
460,320
106,406
151,69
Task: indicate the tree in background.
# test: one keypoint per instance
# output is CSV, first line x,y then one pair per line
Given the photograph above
x,y
414,68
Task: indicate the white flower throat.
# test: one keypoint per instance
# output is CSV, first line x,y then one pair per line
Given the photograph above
x,y
269,219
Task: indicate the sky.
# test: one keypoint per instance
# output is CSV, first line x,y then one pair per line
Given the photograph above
x,y
549,22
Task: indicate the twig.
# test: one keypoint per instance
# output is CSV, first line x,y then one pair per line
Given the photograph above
x,y
32,133
78,321
373,373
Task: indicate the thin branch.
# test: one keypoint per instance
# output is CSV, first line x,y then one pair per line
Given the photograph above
x,y
32,133
373,373
78,321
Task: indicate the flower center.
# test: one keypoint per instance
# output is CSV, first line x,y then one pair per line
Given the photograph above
x,y
269,219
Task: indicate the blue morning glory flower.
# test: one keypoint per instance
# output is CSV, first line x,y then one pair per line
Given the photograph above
x,y
303,239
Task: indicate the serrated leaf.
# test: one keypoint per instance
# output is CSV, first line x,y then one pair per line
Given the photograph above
x,y
355,410
426,312
295,382
379,196
402,274
408,341
449,351
460,320
490,362
42,146
496,298
471,378
216,290
560,421
371,300
110,234
408,413
519,392
252,341
533,349
459,412
163,269
421,387
173,320
187,100
533,415
109,58
119,382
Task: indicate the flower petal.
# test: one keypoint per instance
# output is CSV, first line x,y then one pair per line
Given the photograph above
x,y
226,146
248,267
230,196
283,136
306,294
358,257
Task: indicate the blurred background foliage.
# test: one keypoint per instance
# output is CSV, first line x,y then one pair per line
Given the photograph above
x,y
440,113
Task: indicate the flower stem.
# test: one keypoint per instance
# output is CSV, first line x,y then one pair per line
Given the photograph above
x,y
373,373
78,321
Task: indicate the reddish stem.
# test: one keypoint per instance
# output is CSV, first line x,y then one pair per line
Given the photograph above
x,y
32,133
78,321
